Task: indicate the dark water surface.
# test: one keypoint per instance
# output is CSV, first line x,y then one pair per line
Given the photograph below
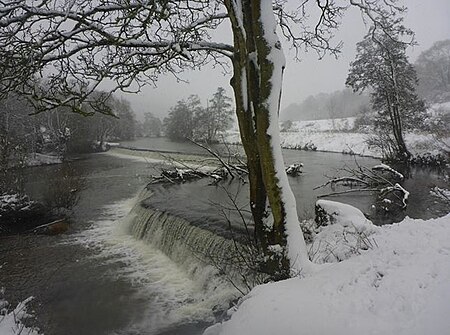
x,y
109,287
78,290
201,203
73,292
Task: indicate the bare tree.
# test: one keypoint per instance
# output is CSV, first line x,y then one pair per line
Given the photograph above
x,y
80,44
216,117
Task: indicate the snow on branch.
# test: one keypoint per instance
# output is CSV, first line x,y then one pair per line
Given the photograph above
x,y
384,167
346,181
294,169
362,179
396,187
129,44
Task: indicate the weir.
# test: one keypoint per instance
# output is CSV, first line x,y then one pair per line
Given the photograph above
x,y
186,244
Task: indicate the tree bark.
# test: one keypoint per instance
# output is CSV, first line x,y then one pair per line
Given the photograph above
x,y
258,67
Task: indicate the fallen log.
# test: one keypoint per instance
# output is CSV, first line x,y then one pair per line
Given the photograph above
x,y
52,228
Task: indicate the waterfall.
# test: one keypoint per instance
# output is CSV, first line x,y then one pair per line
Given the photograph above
x,y
188,245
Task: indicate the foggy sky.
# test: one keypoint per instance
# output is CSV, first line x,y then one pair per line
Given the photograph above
x,y
429,19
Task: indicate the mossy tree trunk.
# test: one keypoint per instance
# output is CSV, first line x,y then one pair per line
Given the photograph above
x,y
258,67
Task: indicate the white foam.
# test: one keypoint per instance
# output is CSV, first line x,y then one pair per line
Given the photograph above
x,y
176,294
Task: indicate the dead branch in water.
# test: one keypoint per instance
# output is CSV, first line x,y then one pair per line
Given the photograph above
x,y
380,179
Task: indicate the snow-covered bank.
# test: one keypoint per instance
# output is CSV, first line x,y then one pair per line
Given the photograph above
x,y
337,136
400,286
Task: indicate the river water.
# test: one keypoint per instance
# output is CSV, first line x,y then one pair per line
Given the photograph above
x,y
98,279
198,203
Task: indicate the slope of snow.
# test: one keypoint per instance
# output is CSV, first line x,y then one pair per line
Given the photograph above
x,y
354,143
337,136
400,286
343,124
11,321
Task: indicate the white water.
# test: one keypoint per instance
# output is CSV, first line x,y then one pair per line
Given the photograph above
x,y
177,294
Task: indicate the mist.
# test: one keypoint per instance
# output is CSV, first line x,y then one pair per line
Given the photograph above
x,y
309,76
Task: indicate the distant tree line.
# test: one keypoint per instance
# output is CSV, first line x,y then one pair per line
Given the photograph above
x,y
59,131
433,70
338,104
188,119
433,85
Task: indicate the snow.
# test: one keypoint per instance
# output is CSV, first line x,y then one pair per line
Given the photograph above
x,y
11,321
7,200
384,167
295,243
348,234
342,124
343,214
14,202
337,136
399,286
441,193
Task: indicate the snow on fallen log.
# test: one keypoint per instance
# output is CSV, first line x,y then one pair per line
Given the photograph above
x,y
332,212
387,168
294,169
396,187
346,181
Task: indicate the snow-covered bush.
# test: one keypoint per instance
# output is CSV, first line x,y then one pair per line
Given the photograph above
x,y
341,231
19,213
11,320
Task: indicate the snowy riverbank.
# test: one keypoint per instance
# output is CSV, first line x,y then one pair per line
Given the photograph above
x,y
400,285
337,136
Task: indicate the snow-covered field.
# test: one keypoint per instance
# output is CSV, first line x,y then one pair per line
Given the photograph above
x,y
337,136
396,282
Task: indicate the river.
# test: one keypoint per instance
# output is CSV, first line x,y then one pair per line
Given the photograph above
x,y
98,279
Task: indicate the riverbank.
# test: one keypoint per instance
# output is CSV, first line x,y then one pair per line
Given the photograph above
x,y
338,135
399,285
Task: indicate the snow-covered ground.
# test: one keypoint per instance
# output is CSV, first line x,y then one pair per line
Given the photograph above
x,y
337,136
11,321
393,280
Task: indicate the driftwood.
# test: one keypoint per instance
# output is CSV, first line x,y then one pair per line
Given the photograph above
x,y
294,169
51,228
229,167
380,179
178,175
